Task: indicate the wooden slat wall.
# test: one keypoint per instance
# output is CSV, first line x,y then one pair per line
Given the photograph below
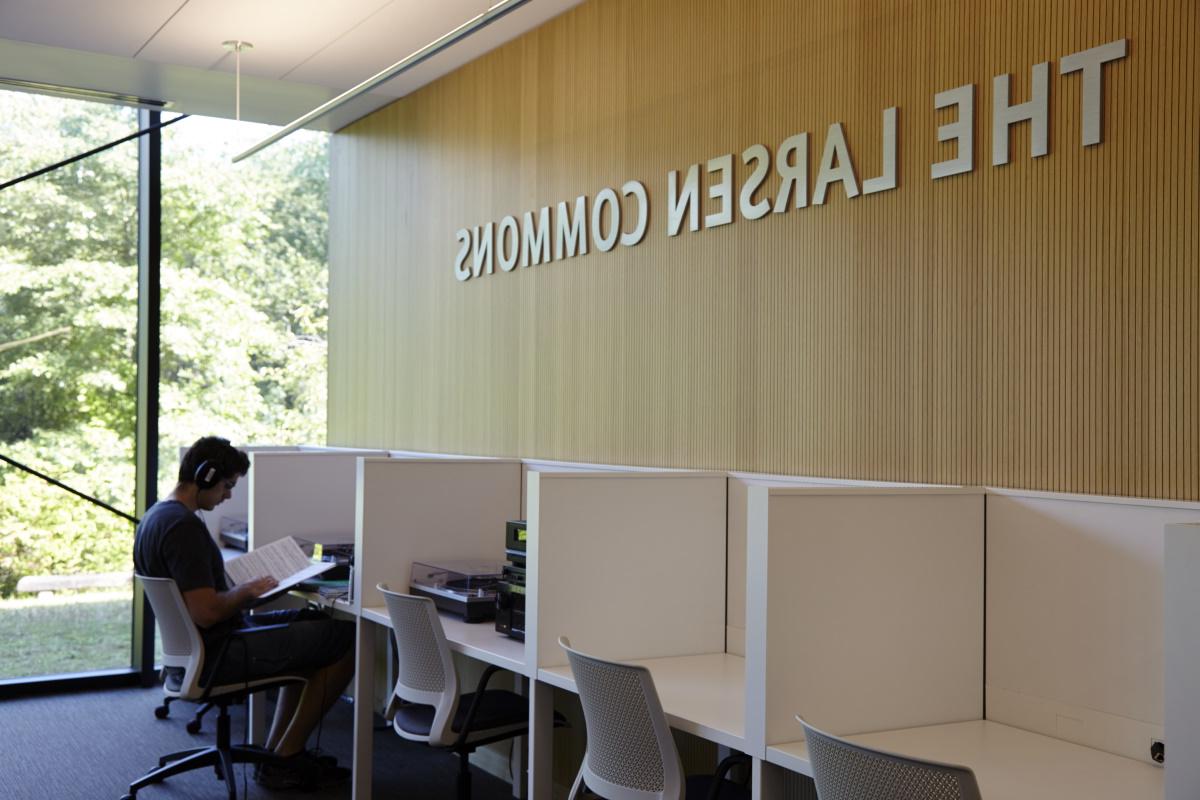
x,y
1032,325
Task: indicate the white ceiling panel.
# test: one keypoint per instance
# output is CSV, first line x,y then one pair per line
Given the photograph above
x,y
115,27
379,45
305,51
284,33
394,32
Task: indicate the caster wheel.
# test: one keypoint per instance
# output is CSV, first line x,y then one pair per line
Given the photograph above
x,y
161,712
127,797
193,726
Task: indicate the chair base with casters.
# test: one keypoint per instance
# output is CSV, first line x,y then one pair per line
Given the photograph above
x,y
221,756
194,724
183,660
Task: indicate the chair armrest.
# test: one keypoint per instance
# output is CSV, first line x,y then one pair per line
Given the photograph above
x,y
240,634
491,670
727,763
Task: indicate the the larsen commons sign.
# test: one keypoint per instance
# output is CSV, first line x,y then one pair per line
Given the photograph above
x,y
619,217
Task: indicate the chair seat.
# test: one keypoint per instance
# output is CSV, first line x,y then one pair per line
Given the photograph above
x,y
697,787
498,708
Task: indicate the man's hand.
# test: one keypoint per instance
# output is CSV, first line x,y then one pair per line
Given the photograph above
x,y
258,587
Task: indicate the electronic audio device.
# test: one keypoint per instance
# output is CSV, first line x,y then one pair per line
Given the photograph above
x,y
465,588
510,591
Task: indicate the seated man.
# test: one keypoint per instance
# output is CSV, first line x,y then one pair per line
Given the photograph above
x,y
172,542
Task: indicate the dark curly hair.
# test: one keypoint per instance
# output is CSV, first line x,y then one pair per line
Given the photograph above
x,y
219,453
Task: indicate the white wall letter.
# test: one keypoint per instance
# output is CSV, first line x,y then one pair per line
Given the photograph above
x,y
721,191
761,157
791,162
1036,110
1090,61
887,178
688,200
535,242
464,239
507,254
572,233
635,189
960,131
835,151
481,250
606,197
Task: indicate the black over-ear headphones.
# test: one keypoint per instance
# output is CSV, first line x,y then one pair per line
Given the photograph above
x,y
208,475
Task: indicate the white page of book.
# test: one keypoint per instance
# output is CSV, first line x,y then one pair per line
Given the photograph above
x,y
282,559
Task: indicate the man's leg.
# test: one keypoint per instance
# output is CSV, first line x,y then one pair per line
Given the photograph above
x,y
299,710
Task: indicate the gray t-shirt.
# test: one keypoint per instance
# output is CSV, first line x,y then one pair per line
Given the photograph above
x,y
172,542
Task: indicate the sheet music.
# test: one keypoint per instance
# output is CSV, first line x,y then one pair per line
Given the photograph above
x,y
282,559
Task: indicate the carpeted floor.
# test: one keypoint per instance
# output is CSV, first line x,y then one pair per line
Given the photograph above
x,y
88,746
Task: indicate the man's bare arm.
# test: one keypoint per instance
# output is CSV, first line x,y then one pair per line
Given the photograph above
x,y
209,607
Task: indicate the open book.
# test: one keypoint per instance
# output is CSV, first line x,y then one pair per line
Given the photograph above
x,y
282,559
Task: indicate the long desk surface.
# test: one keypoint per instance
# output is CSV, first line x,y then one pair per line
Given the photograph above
x,y
478,640
704,695
1009,763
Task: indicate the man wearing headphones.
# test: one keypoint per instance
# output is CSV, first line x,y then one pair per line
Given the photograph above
x,y
172,542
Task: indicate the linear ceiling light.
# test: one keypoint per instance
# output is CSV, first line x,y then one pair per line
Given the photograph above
x,y
433,48
74,93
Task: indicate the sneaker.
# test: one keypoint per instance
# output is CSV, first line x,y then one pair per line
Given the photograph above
x,y
303,771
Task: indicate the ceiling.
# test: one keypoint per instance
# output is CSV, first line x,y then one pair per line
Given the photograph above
x,y
305,52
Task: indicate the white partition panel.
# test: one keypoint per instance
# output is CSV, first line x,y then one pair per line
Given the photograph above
x,y
1182,608
628,565
308,494
422,509
865,609
1075,616
735,637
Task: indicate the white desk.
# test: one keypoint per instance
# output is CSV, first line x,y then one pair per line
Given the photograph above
x,y
1009,763
704,695
479,640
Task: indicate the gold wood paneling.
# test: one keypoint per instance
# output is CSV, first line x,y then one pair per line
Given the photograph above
x,y
1030,325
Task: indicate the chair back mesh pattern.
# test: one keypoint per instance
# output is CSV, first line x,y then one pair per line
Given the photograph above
x,y
420,665
846,771
622,746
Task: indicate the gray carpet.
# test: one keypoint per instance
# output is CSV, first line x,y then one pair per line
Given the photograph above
x,y
88,746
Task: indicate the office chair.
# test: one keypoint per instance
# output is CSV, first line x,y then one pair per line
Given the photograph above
x,y
183,647
425,705
843,770
631,753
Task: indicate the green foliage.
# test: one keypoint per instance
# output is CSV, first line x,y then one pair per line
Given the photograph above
x,y
244,316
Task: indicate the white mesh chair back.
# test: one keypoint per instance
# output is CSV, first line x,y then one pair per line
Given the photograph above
x,y
843,770
630,754
181,642
425,671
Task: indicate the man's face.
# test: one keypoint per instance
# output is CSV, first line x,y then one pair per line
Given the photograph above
x,y
208,499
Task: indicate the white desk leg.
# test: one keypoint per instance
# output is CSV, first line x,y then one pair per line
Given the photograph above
x,y
519,762
541,741
364,708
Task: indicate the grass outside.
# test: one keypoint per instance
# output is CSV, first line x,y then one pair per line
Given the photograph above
x,y
65,633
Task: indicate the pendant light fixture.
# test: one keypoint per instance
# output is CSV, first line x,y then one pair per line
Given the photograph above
x,y
237,46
